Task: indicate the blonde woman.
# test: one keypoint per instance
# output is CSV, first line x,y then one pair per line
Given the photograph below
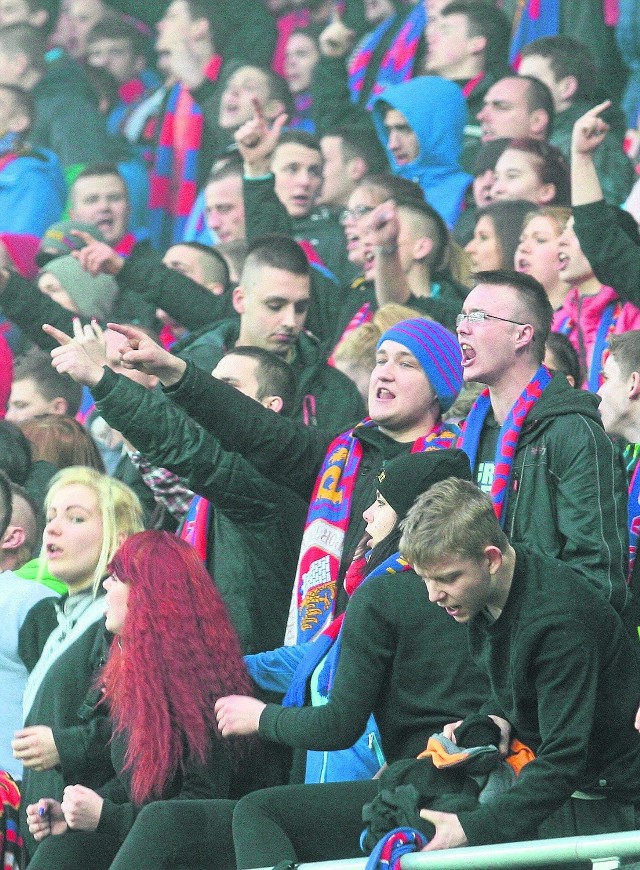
x,y
88,515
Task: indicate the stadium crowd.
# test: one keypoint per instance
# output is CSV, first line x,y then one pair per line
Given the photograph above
x,y
319,428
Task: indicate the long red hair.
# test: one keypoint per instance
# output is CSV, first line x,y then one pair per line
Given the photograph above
x,y
178,653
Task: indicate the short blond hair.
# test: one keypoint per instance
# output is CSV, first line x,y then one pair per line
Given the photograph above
x,y
453,518
120,509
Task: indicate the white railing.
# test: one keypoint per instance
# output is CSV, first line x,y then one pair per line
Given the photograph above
x,y
604,850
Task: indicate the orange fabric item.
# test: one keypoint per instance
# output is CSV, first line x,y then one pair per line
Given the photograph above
x,y
519,755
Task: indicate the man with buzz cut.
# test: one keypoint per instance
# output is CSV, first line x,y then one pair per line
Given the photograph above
x,y
556,656
536,445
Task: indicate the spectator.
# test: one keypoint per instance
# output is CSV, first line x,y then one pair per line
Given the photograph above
x,y
538,252
424,144
272,300
61,742
22,639
516,107
66,282
61,441
497,234
66,117
301,54
348,155
566,67
524,607
557,503
32,187
591,313
162,607
531,169
38,389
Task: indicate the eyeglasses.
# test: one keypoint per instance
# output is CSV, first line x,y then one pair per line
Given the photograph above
x,y
481,316
354,214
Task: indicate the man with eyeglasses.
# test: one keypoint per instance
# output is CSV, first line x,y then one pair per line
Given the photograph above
x,y
535,445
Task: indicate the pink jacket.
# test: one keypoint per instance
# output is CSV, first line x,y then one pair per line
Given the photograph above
x,y
580,316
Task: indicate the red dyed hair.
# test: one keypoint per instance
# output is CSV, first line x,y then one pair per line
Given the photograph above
x,y
178,654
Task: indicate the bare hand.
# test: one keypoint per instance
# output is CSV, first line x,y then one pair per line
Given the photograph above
x,y
182,62
35,747
449,730
238,714
336,39
97,258
138,351
83,356
505,734
589,130
45,818
256,140
81,807
449,832
381,227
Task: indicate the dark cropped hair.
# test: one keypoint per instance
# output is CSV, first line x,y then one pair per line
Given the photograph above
x,y
50,383
6,503
485,20
357,141
115,28
299,137
567,57
552,167
532,297
275,377
539,97
279,252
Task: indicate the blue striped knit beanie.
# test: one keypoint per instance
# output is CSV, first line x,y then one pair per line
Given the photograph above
x,y
438,352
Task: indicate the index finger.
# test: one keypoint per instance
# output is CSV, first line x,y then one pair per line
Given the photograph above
x,y
336,15
86,237
257,108
126,330
60,336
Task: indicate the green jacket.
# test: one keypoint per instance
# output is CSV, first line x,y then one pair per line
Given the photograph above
x,y
615,170
324,397
567,494
613,256
284,450
255,526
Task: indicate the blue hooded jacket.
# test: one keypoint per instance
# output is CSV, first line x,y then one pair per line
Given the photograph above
x,y
436,111
32,193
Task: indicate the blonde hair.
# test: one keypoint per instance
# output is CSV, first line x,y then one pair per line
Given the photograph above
x,y
559,214
359,346
119,506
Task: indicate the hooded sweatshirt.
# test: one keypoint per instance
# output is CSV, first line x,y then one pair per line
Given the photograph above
x,y
435,109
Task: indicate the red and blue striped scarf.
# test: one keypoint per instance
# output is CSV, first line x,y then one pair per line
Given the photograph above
x,y
542,18
390,849
173,188
606,329
316,585
398,61
633,505
507,439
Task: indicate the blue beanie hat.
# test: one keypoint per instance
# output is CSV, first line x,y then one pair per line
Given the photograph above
x,y
438,352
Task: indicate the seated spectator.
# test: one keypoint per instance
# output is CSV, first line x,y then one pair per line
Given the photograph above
x,y
163,609
38,389
496,235
224,205
22,638
479,194
61,441
66,117
538,252
349,153
62,742
421,124
567,68
531,169
32,186
591,313
301,54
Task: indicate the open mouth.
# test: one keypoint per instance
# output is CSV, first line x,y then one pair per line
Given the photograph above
x,y
52,549
563,260
522,265
384,395
468,354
